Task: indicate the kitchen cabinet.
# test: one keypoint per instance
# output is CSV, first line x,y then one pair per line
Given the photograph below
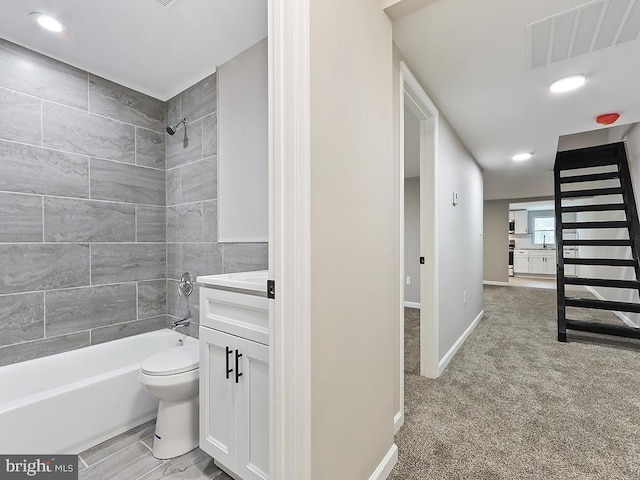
x,y
542,262
521,261
512,215
570,270
234,373
521,218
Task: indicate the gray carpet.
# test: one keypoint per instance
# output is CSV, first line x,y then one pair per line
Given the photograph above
x,y
516,404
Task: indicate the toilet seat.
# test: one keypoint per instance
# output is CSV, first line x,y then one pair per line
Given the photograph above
x,y
173,361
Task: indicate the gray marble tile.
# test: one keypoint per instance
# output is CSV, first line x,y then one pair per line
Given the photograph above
x,y
121,103
174,260
20,218
210,135
199,181
182,307
148,441
126,183
115,444
152,298
151,223
172,110
185,146
127,464
71,220
81,464
244,257
127,262
20,119
174,194
46,172
80,132
200,99
184,223
21,317
201,258
195,465
29,72
149,148
210,221
80,309
122,330
41,348
29,267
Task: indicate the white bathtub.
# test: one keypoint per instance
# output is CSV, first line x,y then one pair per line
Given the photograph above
x,y
71,401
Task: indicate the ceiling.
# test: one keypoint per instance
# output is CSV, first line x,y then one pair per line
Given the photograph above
x,y
156,50
475,61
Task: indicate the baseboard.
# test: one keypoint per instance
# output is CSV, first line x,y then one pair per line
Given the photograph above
x,y
452,351
411,304
398,421
498,284
389,461
620,315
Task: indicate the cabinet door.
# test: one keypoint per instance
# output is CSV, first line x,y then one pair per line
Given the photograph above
x,y
569,270
520,264
537,264
550,264
218,397
253,411
522,221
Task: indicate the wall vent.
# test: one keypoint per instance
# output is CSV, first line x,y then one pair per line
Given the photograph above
x,y
593,26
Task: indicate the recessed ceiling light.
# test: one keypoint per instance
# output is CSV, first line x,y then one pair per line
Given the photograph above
x,y
566,84
521,157
48,22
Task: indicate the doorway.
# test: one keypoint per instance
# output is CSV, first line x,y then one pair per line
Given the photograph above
x,y
416,240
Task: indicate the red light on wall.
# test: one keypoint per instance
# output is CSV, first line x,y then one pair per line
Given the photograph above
x,y
607,118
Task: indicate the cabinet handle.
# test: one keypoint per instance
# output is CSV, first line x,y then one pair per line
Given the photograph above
x,y
238,373
229,370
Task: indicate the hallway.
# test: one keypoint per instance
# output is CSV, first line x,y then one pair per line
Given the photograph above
x,y
516,404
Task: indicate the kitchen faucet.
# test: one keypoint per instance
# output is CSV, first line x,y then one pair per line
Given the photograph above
x,y
544,241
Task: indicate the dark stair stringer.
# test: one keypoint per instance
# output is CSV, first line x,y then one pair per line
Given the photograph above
x,y
614,157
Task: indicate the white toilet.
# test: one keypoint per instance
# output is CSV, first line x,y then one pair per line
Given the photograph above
x,y
172,377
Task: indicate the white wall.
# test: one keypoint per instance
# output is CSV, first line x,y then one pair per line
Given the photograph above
x,y
496,241
352,233
412,238
459,237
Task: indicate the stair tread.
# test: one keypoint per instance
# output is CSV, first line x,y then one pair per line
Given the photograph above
x,y
597,243
591,192
603,328
613,262
607,224
602,282
602,304
593,208
590,177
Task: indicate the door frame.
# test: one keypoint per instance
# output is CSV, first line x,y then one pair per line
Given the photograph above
x,y
413,95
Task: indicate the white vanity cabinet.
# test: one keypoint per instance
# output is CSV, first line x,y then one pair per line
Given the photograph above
x,y
234,373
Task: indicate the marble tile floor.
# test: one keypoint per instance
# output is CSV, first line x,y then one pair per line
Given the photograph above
x,y
128,457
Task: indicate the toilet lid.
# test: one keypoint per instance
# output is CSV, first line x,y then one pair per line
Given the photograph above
x,y
173,361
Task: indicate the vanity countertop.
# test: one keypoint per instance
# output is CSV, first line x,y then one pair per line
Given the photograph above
x,y
255,281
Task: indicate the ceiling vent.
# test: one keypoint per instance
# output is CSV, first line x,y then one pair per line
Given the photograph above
x,y
165,3
594,26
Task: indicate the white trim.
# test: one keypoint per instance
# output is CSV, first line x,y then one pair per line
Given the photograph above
x,y
289,239
398,421
412,304
620,315
389,461
499,284
243,240
454,349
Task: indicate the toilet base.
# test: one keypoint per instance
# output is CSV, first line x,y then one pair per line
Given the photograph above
x,y
176,428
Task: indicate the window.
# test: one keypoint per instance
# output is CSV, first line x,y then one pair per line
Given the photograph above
x,y
544,230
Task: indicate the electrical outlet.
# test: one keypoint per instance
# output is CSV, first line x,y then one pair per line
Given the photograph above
x,y
464,297
408,280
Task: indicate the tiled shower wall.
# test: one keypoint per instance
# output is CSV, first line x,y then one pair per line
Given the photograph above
x,y
192,200
82,208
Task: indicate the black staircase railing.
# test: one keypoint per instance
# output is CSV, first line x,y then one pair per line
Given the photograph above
x,y
613,158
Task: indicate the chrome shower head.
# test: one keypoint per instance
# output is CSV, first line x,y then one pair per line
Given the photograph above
x,y
172,129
